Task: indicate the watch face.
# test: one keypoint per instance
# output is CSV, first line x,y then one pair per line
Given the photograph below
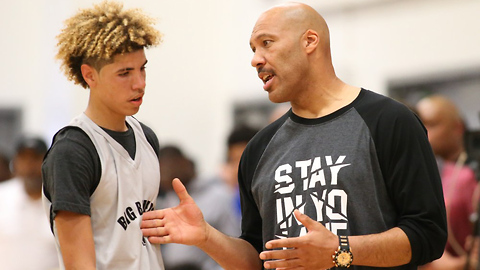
x,y
344,258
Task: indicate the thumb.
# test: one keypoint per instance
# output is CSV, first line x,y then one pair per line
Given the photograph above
x,y
180,190
309,223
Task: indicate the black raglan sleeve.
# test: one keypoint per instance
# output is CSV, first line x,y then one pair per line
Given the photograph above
x,y
151,137
410,173
71,172
251,219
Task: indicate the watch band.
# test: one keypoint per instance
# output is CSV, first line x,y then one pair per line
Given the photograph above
x,y
342,257
343,242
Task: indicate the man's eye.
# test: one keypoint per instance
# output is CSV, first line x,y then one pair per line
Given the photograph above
x,y
123,74
266,42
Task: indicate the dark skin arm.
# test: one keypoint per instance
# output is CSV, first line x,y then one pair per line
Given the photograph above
x,y
315,249
184,224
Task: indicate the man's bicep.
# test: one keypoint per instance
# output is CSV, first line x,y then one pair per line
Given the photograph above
x,y
75,237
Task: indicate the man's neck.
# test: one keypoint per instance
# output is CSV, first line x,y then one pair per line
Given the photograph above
x,y
325,100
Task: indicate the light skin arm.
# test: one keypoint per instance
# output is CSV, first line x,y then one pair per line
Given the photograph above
x,y
315,249
75,236
184,224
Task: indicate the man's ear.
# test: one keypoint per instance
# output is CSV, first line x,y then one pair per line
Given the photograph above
x,y
89,74
311,40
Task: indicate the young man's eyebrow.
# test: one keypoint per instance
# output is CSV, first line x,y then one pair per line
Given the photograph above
x,y
130,68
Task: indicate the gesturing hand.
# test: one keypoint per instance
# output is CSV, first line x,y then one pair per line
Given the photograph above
x,y
182,224
311,251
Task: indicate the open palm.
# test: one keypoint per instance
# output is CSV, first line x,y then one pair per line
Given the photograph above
x,y
182,224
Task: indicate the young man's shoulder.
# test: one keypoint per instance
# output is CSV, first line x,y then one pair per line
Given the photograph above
x,y
71,133
151,137
71,146
147,130
69,138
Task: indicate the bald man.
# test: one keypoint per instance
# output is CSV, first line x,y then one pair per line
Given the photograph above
x,y
446,135
445,126
345,178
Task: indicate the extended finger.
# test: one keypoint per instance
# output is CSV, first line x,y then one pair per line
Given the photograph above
x,y
180,190
156,231
281,254
283,264
152,223
159,240
155,214
284,243
309,223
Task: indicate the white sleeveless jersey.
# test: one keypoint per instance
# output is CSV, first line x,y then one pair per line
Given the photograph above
x,y
127,188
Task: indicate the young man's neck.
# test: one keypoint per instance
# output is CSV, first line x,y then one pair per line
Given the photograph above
x,y
111,123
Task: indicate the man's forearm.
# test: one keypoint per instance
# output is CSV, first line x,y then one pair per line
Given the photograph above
x,y
231,253
387,249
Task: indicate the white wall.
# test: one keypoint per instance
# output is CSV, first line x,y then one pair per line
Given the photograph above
x,y
404,39
203,65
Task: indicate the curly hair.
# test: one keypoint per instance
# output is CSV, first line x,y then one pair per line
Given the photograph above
x,y
94,36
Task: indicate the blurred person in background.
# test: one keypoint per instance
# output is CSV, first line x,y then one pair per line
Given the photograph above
x,y
236,142
5,173
211,195
446,131
26,242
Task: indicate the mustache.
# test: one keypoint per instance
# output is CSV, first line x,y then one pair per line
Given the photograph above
x,y
265,70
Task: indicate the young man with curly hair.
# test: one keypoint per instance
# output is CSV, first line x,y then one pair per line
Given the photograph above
x,y
102,172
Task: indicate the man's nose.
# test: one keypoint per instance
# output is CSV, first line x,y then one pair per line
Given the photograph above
x,y
257,60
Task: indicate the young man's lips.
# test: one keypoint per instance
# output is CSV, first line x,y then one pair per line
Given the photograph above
x,y
137,100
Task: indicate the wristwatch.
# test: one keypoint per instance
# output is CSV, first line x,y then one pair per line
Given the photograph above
x,y
343,257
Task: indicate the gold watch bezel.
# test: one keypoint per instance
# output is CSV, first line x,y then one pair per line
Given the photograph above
x,y
343,256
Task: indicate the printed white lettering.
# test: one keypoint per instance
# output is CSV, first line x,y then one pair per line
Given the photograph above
x,y
284,178
330,208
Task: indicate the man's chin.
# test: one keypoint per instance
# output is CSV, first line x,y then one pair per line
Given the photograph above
x,y
276,98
